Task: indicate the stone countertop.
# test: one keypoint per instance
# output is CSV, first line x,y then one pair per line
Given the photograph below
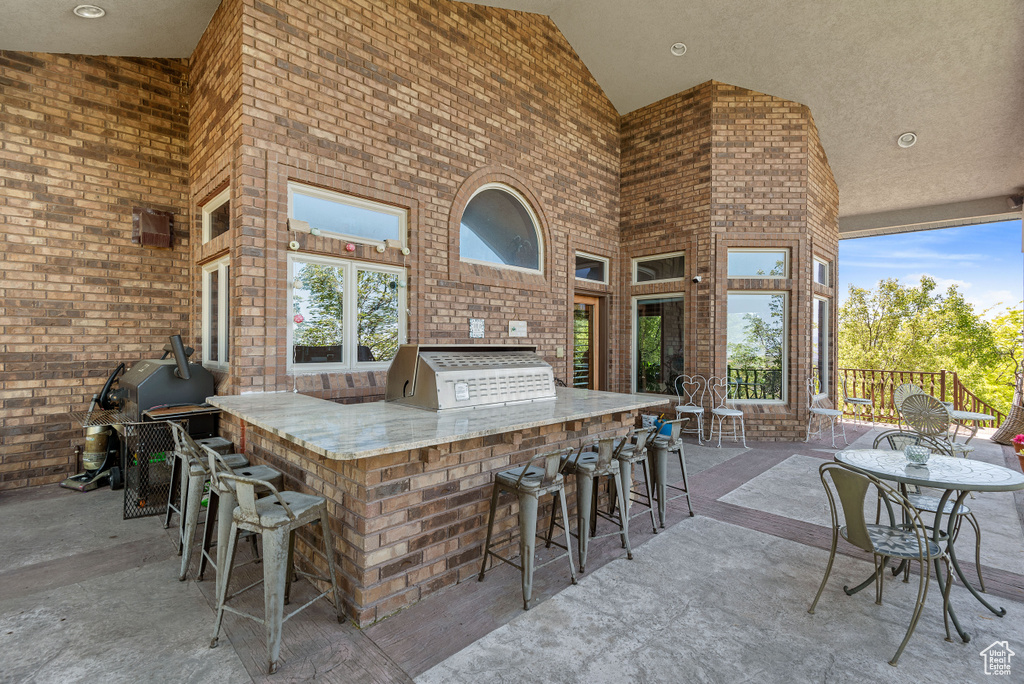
x,y
350,431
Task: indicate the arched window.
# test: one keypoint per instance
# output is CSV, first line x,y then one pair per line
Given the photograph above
x,y
498,227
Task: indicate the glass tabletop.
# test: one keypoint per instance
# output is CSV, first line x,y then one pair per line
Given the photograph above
x,y
941,472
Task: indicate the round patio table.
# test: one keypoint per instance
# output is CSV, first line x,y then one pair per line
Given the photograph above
x,y
953,475
961,418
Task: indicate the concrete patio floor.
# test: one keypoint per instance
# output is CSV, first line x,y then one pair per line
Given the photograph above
x,y
721,597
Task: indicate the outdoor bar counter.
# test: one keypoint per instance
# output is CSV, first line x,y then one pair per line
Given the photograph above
x,y
408,488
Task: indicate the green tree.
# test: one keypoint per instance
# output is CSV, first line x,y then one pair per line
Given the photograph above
x,y
917,328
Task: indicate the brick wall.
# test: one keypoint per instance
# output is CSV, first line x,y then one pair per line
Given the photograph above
x,y
415,104
82,140
719,167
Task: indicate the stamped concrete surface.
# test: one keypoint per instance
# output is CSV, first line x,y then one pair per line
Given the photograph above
x,y
714,602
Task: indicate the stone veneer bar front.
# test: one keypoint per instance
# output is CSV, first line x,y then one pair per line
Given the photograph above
x,y
408,488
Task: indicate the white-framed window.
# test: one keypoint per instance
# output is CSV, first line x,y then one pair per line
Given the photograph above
x,y
344,315
756,345
659,269
591,268
349,218
216,313
657,342
217,215
499,228
819,343
821,271
758,263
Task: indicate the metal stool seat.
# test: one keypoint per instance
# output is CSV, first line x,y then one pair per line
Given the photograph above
x,y
190,483
529,482
661,445
222,503
589,466
630,451
275,518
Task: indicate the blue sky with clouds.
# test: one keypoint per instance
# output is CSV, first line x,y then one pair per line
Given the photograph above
x,y
985,262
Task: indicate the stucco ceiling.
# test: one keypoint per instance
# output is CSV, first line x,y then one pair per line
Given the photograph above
x,y
952,72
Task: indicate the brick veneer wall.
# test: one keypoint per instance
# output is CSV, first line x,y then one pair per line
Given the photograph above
x,y
719,167
416,104
411,523
82,140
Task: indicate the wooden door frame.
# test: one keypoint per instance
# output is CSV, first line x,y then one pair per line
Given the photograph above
x,y
598,336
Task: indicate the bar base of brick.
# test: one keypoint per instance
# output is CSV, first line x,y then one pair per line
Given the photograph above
x,y
410,523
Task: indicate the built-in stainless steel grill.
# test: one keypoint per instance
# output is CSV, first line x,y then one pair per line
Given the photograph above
x,y
443,376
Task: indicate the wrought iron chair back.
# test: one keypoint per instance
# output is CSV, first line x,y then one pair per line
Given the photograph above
x,y
926,415
690,389
718,388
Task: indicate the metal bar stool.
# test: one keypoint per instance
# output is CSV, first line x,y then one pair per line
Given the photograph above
x,y
661,445
222,503
529,482
275,518
189,476
629,451
589,466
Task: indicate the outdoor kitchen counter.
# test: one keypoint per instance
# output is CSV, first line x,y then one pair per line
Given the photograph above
x,y
353,431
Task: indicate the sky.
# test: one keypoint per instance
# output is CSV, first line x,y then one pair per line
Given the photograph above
x,y
984,262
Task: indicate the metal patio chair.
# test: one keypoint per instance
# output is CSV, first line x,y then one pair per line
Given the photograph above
x,y
900,394
222,502
275,518
721,409
858,402
540,476
926,503
189,476
929,417
907,540
589,466
822,413
690,390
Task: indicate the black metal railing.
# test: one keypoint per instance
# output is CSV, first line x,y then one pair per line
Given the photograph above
x,y
755,383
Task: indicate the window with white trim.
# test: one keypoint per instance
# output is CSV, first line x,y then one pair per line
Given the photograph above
x,y
591,268
216,313
819,343
346,217
660,268
821,271
498,228
758,263
217,215
756,345
344,315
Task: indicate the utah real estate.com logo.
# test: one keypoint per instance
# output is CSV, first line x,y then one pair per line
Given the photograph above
x,y
997,658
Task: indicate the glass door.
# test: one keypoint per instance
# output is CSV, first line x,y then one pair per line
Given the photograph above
x,y
586,346
657,344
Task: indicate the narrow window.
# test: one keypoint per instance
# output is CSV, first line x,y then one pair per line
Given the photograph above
x,y
819,343
821,271
756,345
217,216
216,313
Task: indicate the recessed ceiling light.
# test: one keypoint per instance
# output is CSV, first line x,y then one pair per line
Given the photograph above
x,y
89,11
907,139
678,49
